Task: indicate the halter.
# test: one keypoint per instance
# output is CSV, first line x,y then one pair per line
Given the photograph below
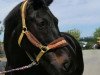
x,y
60,42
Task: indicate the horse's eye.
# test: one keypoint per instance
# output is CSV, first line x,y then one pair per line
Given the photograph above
x,y
41,24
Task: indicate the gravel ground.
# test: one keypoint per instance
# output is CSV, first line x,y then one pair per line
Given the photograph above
x,y
2,64
91,62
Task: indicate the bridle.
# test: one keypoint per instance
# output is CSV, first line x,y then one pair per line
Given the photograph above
x,y
60,42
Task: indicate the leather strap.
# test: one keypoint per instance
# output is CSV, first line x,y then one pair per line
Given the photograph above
x,y
24,28
32,39
60,42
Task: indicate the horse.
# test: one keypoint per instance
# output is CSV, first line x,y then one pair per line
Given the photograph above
x,y
60,53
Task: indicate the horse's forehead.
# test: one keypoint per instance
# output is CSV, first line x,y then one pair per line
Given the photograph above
x,y
41,13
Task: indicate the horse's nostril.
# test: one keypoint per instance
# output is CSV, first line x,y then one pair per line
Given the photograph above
x,y
66,65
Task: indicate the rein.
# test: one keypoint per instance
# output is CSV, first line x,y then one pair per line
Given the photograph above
x,y
60,42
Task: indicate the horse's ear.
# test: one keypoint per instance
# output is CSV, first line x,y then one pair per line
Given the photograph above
x,y
36,3
48,2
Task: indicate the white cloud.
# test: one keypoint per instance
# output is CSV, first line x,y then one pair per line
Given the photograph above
x,y
67,11
77,11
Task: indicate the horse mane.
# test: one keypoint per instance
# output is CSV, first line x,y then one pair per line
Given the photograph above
x,y
10,23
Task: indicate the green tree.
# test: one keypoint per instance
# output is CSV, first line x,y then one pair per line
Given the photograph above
x,y
75,33
1,29
96,34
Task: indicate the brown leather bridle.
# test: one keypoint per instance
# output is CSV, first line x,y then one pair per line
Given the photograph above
x,y
60,42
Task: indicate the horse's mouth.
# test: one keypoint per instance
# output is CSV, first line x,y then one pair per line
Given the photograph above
x,y
58,62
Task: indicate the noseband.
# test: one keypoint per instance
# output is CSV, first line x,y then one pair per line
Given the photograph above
x,y
60,42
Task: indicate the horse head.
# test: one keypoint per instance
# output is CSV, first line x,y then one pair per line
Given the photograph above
x,y
43,25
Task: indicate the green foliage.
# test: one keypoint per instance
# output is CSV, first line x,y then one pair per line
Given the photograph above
x,y
1,50
89,45
1,29
87,39
90,42
75,33
96,33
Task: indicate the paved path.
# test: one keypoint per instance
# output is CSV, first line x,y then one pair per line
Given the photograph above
x,y
91,62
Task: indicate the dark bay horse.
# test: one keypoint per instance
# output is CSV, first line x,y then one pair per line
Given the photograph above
x,y
65,60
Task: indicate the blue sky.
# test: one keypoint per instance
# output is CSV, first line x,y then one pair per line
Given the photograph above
x,y
80,14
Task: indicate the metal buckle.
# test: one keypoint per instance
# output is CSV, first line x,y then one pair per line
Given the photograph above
x,y
24,28
44,48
